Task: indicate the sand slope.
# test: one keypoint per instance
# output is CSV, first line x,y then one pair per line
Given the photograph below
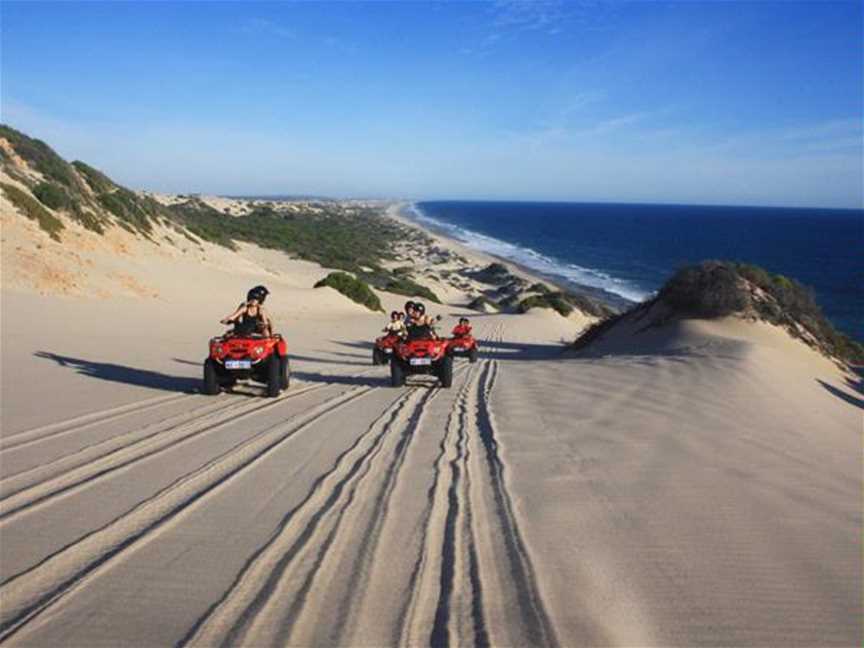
x,y
704,494
695,484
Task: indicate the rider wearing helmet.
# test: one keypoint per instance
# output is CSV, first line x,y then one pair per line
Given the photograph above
x,y
409,312
420,325
250,317
463,328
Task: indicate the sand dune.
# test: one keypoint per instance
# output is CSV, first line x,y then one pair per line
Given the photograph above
x,y
695,484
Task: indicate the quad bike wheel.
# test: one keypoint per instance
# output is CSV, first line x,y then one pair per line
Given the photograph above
x,y
445,372
274,376
376,356
472,355
397,373
285,371
211,378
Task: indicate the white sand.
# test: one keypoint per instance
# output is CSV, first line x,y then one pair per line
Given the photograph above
x,y
698,486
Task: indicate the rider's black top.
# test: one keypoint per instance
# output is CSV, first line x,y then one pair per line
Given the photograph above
x,y
249,324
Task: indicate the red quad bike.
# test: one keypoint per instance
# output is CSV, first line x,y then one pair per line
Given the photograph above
x,y
233,358
421,356
463,346
383,349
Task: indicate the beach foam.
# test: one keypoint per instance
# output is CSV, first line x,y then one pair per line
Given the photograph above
x,y
530,258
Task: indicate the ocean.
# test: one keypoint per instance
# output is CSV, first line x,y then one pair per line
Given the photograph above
x,y
627,251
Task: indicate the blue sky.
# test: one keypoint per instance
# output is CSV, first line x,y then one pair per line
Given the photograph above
x,y
702,102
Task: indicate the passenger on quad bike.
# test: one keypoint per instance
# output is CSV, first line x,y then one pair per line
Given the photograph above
x,y
250,318
462,329
409,313
395,326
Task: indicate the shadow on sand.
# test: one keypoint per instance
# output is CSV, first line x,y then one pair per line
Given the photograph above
x,y
330,379
123,374
855,384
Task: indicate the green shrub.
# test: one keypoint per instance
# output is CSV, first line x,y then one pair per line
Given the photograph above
x,y
717,288
33,210
405,286
494,273
539,288
482,303
97,181
564,303
554,301
52,195
710,289
354,289
40,156
128,206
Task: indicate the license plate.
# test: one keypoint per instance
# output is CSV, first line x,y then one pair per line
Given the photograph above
x,y
458,348
420,361
238,364
388,350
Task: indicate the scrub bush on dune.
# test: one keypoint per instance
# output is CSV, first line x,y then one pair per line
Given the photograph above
x,y
404,286
33,210
41,157
352,288
710,289
714,289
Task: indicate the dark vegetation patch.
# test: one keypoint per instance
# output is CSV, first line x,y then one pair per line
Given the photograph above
x,y
58,197
564,303
52,195
353,288
494,274
403,286
483,304
715,289
41,157
129,207
96,180
33,210
329,238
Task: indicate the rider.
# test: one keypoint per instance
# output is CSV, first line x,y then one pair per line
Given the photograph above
x,y
420,325
395,326
463,328
250,317
409,313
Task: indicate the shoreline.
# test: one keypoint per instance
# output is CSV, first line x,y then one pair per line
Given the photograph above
x,y
401,212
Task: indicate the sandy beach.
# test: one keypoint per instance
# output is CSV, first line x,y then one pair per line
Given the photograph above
x,y
698,484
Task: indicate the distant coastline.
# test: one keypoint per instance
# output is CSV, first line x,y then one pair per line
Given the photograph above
x,y
413,213
630,250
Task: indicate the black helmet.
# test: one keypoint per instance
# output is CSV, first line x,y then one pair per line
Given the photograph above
x,y
420,308
394,314
258,293
409,305
463,320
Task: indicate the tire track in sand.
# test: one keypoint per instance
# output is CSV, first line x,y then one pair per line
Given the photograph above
x,y
429,605
78,423
273,590
30,497
30,594
475,580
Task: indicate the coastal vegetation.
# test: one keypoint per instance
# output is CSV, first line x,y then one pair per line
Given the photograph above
x,y
354,289
564,303
714,289
402,285
33,210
